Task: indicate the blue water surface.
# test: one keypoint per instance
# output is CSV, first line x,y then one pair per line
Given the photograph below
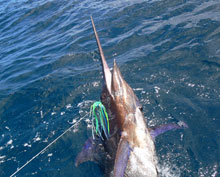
x,y
50,74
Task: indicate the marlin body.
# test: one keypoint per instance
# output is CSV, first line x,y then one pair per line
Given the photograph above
x,y
130,149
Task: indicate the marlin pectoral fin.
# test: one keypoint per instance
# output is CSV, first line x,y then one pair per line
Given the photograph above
x,y
155,131
91,151
122,156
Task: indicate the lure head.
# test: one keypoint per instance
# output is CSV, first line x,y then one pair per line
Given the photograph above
x,y
100,122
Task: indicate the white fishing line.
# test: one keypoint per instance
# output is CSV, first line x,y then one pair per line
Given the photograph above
x,y
19,169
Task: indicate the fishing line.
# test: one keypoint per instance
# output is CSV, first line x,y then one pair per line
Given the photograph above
x,y
43,150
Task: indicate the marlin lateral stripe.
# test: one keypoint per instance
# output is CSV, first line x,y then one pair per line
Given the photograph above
x,y
100,121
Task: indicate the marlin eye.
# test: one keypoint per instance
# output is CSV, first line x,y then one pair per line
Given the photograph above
x,y
141,108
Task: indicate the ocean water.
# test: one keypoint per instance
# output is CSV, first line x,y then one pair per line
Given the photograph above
x,y
50,74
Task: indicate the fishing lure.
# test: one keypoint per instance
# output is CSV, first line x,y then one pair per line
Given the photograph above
x,y
100,121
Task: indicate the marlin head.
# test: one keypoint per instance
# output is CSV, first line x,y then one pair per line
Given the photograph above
x,y
125,101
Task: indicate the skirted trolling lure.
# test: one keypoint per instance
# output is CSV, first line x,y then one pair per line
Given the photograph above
x,y
100,121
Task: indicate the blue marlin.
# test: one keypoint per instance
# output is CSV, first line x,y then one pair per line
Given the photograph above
x,y
129,150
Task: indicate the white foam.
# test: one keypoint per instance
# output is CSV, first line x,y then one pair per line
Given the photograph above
x,y
75,130
68,106
73,121
191,84
2,159
37,137
53,113
46,140
34,173
87,120
138,89
9,142
27,145
156,89
168,167
166,171
211,170
89,126
49,155
41,114
95,84
85,103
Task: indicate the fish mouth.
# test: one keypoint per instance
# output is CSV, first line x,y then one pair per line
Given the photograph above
x,y
121,91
